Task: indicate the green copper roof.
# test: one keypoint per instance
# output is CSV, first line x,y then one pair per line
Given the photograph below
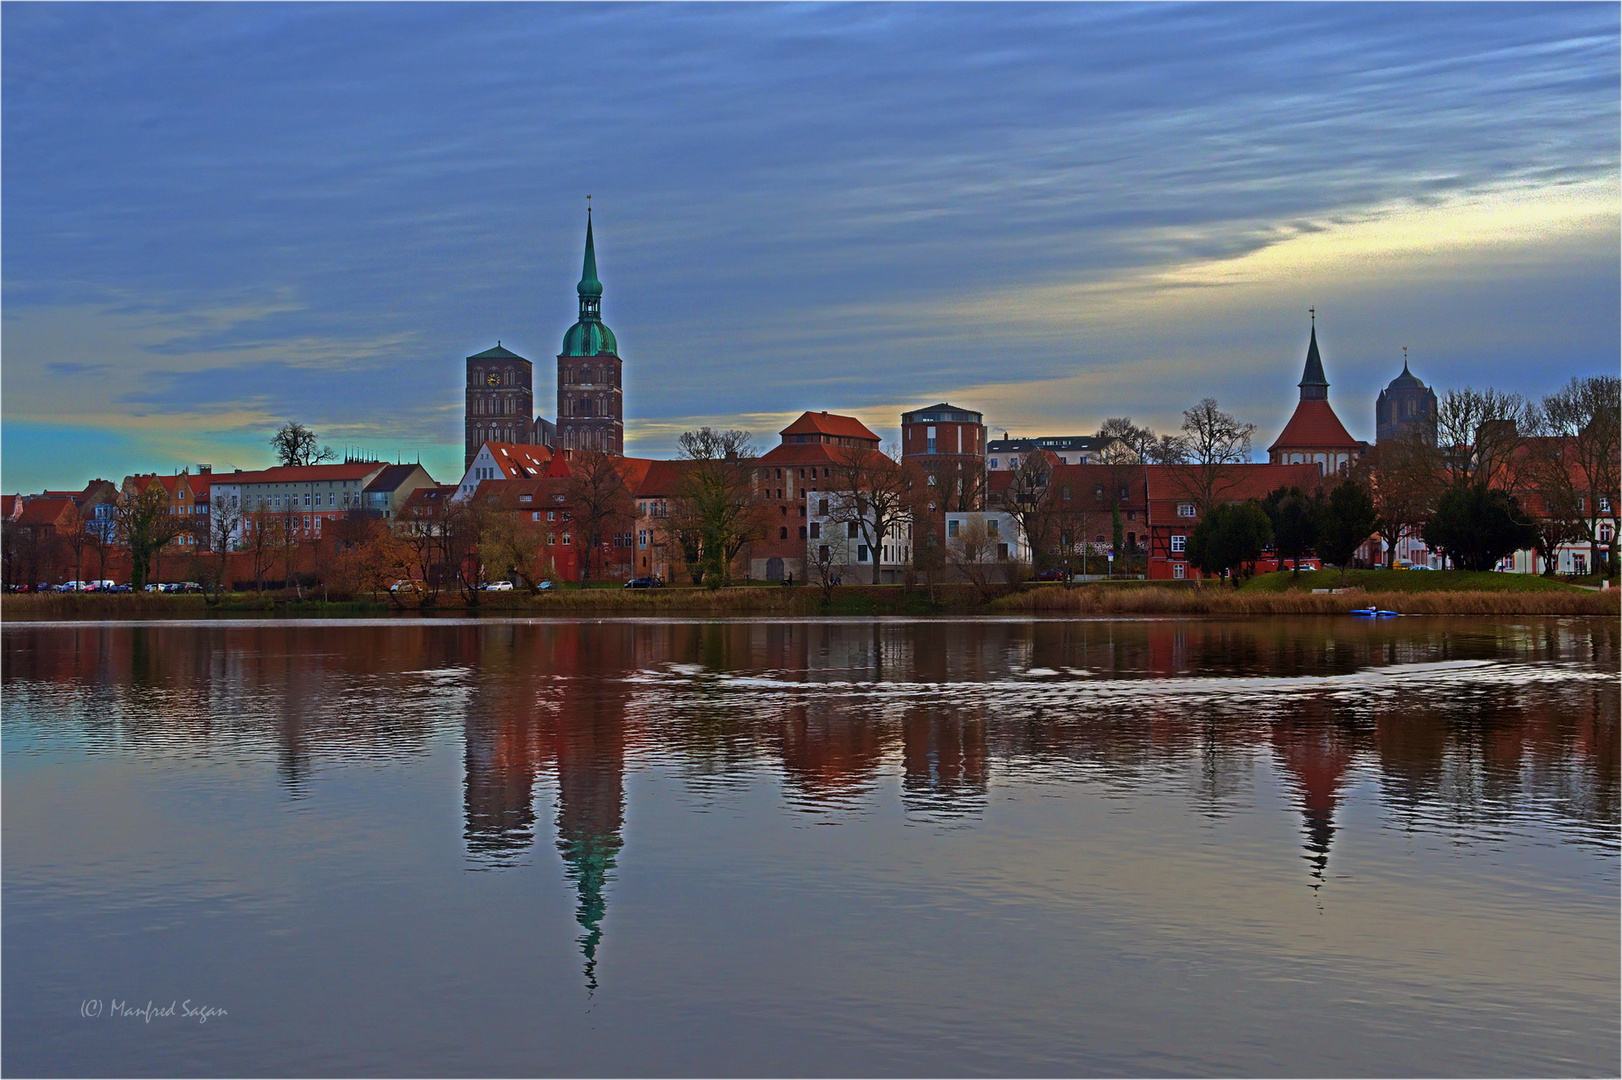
x,y
497,353
589,285
588,336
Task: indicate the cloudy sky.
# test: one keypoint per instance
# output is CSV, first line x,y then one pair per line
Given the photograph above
x,y
219,217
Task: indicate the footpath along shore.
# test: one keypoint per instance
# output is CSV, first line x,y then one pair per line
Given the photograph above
x,y
1435,593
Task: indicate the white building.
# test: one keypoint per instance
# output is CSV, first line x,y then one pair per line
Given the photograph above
x,y
986,537
846,541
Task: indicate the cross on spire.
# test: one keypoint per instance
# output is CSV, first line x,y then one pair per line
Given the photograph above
x,y
1313,313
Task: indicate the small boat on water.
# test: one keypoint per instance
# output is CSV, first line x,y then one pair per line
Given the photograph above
x,y
1374,613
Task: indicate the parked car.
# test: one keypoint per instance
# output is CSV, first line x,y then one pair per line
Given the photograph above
x,y
544,586
1055,574
404,586
644,583
499,586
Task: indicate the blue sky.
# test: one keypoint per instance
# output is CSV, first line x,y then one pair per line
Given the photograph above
x,y
219,217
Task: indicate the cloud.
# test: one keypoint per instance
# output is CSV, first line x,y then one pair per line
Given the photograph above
x,y
798,206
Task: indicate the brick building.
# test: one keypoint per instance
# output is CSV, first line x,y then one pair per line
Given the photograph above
x,y
1173,510
802,463
591,397
1315,434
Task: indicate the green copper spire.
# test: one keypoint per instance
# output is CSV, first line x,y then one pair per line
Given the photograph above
x,y
588,336
589,285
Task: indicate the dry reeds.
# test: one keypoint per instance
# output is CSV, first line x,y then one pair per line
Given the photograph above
x,y
1223,601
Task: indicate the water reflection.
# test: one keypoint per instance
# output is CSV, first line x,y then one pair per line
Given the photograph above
x,y
1462,727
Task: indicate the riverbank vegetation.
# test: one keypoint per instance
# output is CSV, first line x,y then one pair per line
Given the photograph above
x,y
1433,592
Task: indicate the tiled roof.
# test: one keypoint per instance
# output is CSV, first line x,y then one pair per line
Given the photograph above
x,y
1314,427
1248,481
8,505
662,477
519,461
44,511
826,423
392,477
300,474
810,454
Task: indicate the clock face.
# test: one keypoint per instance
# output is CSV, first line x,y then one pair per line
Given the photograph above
x,y
493,379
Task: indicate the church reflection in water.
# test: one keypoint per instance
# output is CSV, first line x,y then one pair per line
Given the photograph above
x,y
838,713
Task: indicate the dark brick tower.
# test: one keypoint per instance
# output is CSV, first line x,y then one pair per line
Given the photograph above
x,y
591,401
500,400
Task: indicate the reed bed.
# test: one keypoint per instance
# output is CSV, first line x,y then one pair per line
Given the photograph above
x,y
1218,600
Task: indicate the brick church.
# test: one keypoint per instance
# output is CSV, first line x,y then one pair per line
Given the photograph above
x,y
591,399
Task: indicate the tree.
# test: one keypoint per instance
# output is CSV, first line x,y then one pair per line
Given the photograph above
x,y
599,500
259,539
1230,538
1291,514
973,553
1211,445
510,549
1585,421
874,494
715,502
143,523
73,528
1405,477
1036,504
1477,433
295,444
1345,521
1477,526
1140,441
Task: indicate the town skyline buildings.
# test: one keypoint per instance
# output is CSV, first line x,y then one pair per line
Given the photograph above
x,y
1060,214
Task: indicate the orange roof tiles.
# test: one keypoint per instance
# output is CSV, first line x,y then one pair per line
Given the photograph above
x,y
826,423
1314,427
1247,481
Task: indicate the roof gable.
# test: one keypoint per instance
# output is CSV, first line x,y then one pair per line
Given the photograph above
x,y
1314,426
827,423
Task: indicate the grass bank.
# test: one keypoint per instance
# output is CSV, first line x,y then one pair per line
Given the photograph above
x,y
1407,581
1459,595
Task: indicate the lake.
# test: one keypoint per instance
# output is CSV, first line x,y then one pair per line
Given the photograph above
x,y
898,847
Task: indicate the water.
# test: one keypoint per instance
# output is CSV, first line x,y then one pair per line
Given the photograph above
x,y
1311,846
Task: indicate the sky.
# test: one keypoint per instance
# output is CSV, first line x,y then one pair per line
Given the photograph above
x,y
219,218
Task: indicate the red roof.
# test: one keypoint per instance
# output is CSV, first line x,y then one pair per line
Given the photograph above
x,y
1314,427
8,505
662,477
1248,481
519,461
826,423
44,511
299,474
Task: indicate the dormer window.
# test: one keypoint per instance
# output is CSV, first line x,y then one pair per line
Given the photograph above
x,y
1185,510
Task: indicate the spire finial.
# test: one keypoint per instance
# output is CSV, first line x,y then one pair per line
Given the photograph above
x,y
1405,358
1312,312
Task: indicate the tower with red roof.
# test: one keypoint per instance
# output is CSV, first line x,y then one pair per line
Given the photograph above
x,y
1315,434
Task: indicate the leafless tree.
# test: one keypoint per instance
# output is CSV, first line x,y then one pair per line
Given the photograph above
x,y
714,500
73,529
1204,457
143,523
296,444
599,501
1404,476
1140,442
1037,505
1478,433
1584,424
973,554
874,493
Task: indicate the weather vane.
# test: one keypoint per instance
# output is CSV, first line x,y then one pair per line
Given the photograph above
x,y
1313,312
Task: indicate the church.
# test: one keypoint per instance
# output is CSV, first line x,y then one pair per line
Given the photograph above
x,y
1315,434
591,402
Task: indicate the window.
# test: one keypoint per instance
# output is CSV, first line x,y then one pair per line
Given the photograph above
x,y
822,507
534,515
525,498
784,510
822,553
852,531
1002,551
1178,570
565,539
816,530
779,474
782,534
992,526
1179,543
1604,504
1063,460
802,532
951,528
825,472
861,553
1013,463
1185,509
552,540
993,463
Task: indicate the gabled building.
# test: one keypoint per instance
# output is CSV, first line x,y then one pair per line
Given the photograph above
x,y
1173,511
388,491
511,461
1315,434
303,496
1005,454
812,447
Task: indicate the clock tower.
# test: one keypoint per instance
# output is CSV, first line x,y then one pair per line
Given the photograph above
x,y
500,400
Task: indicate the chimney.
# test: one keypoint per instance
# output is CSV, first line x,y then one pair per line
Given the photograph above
x,y
204,469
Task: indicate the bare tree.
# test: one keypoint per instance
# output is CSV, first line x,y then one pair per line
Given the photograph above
x,y
259,539
973,554
1140,442
1404,476
1478,433
144,524
714,498
599,501
1584,421
874,493
1037,506
73,528
1212,443
295,444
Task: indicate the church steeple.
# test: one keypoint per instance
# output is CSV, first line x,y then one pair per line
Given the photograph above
x,y
590,289
1314,387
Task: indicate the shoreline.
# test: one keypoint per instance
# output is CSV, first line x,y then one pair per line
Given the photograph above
x,y
1123,598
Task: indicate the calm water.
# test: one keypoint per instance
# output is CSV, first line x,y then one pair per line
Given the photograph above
x,y
1306,847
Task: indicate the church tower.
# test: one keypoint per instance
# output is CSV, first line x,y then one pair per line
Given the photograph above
x,y
591,401
500,400
1405,405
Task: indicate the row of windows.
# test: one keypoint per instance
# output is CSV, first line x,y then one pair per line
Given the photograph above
x,y
579,375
